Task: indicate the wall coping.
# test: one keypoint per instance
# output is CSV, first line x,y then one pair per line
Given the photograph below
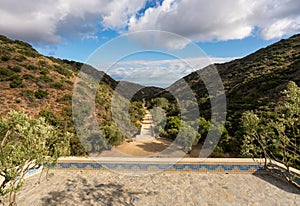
x,y
161,160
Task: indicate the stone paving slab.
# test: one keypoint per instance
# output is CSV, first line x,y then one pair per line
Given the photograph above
x,y
108,188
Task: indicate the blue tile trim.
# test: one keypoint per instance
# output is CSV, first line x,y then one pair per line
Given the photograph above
x,y
160,166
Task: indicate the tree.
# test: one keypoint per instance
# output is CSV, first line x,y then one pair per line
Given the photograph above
x,y
275,135
113,135
187,136
26,143
203,128
137,112
172,127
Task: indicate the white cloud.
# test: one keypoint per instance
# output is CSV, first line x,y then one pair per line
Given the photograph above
x,y
202,20
161,73
119,12
50,21
281,27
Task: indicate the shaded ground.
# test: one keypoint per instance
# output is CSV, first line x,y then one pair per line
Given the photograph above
x,y
107,188
157,147
144,148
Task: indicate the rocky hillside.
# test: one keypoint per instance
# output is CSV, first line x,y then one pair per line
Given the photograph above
x,y
253,82
43,86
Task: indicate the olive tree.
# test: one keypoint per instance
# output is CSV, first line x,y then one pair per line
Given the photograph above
x,y
275,135
26,143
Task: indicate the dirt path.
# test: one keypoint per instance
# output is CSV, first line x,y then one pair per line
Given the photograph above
x,y
145,144
156,148
146,132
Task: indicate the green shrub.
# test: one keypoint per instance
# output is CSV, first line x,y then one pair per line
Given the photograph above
x,y
23,44
28,76
31,67
66,97
45,78
27,143
44,72
42,63
4,72
62,71
5,58
20,58
69,82
15,68
50,117
28,52
5,39
58,85
15,81
40,94
76,148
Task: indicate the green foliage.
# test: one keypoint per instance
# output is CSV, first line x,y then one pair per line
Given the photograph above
x,y
28,76
26,49
20,58
42,63
187,136
275,135
65,125
4,72
50,118
44,72
76,148
40,94
203,128
57,85
172,127
16,81
31,67
69,82
5,58
62,71
161,102
25,144
169,106
225,143
45,78
15,68
113,135
137,112
65,98
4,39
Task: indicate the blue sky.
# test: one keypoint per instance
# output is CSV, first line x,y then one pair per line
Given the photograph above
x,y
80,49
75,29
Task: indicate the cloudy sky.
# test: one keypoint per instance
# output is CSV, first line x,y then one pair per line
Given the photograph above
x,y
74,29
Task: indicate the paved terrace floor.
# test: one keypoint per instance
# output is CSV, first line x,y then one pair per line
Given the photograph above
x,y
166,188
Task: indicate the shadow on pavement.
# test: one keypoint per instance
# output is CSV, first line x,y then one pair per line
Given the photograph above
x,y
80,192
280,183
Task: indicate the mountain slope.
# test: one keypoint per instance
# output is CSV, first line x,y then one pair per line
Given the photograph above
x,y
32,82
252,82
43,86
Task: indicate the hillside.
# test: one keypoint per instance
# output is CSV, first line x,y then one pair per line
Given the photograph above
x,y
43,86
253,82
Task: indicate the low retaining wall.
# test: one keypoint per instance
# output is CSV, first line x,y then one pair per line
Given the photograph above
x,y
152,165
208,165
